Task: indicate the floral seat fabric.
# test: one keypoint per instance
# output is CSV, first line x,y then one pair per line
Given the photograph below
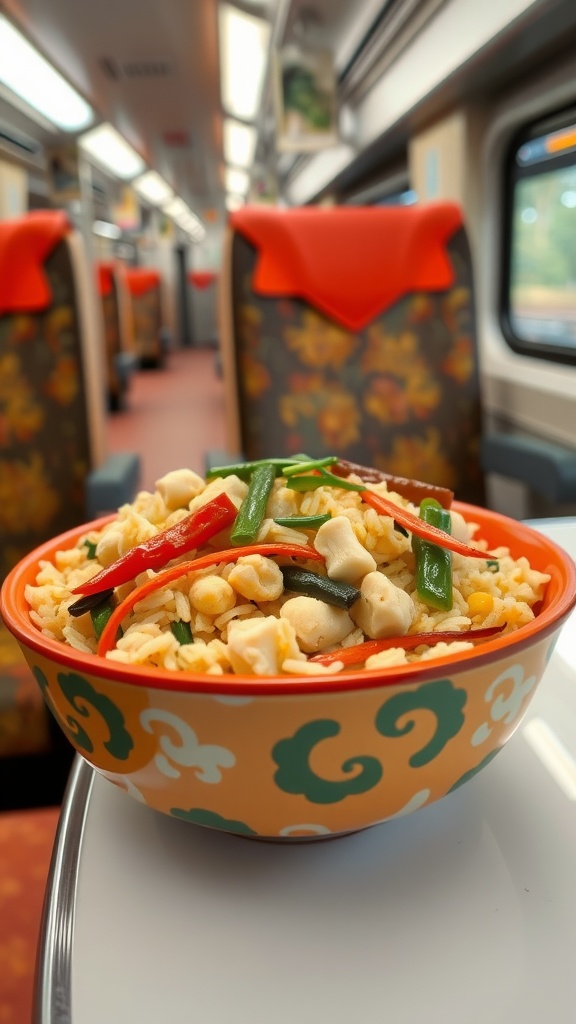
x,y
44,442
45,447
144,287
401,394
108,290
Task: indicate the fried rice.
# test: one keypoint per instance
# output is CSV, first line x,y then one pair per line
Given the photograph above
x,y
241,617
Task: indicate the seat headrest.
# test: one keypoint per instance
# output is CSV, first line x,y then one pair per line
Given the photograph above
x,y
141,279
105,273
25,244
350,262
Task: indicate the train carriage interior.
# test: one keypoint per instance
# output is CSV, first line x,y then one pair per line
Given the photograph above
x,y
299,225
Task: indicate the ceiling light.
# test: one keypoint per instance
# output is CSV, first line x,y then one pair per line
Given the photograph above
x,y
237,182
108,148
34,80
243,55
105,229
183,216
239,143
153,188
175,208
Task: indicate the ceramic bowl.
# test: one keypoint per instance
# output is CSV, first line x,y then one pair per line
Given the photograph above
x,y
293,758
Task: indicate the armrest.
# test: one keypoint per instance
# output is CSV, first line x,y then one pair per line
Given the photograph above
x,y
112,484
126,364
545,467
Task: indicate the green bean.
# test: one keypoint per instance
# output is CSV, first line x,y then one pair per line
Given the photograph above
x,y
334,592
253,508
245,469
325,479
303,522
182,631
305,467
100,616
90,549
433,563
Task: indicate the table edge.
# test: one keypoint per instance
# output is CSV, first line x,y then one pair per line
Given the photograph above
x,y
52,982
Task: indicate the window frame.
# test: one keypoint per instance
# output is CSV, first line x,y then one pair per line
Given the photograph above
x,y
543,125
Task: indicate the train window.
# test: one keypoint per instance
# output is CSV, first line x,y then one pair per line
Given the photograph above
x,y
539,301
405,197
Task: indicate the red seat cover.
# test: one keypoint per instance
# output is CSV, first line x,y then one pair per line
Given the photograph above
x,y
350,262
25,244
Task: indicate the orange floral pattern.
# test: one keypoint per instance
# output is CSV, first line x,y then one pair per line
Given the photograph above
x,y
44,443
402,394
146,309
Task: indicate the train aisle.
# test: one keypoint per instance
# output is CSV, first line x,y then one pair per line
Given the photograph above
x,y
172,416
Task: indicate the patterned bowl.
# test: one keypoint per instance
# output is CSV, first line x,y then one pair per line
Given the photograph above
x,y
298,757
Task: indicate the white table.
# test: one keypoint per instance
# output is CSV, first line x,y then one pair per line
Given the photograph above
x,y
462,913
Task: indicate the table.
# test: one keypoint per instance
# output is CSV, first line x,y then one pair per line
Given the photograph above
x,y
462,913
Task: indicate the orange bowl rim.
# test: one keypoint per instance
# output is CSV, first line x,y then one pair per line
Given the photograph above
x,y
15,612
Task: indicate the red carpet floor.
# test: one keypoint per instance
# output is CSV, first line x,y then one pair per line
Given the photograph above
x,y
26,840
173,416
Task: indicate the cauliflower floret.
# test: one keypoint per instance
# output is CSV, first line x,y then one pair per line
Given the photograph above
x,y
382,609
282,503
199,656
256,578
346,558
232,485
260,646
179,487
316,624
459,527
122,536
212,595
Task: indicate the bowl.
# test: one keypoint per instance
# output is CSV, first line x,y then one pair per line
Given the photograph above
x,y
293,758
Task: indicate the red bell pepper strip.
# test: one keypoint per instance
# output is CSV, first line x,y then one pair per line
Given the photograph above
x,y
108,635
360,652
418,526
154,553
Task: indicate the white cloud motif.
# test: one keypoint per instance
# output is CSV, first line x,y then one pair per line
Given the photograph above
x,y
188,753
414,804
297,830
505,707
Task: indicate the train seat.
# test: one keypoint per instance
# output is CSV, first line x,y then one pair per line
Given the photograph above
x,y
351,331
150,338
121,361
53,470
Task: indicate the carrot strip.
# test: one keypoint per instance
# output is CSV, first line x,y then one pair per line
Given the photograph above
x,y
108,636
418,526
360,652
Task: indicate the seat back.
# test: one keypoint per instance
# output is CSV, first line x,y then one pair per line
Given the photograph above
x,y
118,330
144,285
52,422
351,331
108,291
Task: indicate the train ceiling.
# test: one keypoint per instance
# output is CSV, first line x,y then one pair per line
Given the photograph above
x,y
152,69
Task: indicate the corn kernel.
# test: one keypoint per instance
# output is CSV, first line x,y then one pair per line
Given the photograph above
x,y
480,604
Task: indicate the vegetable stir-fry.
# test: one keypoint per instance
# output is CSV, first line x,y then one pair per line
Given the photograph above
x,y
284,566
